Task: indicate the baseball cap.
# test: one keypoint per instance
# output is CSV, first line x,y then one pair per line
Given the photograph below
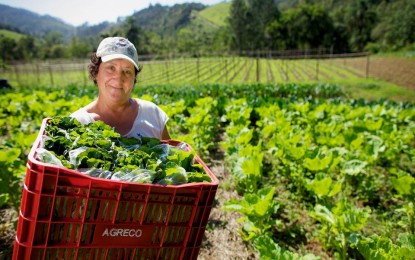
x,y
112,48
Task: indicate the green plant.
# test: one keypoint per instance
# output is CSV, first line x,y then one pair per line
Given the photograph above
x,y
382,248
257,210
405,185
339,223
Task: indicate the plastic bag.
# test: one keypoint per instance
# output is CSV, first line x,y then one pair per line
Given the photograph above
x,y
47,157
73,155
99,173
138,175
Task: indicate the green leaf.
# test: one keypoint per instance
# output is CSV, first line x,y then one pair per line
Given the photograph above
x,y
4,198
297,152
9,155
354,167
320,187
324,187
244,136
407,240
323,213
263,205
318,164
254,205
374,125
376,247
405,185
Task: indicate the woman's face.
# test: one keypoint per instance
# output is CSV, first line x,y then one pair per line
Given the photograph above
x,y
115,80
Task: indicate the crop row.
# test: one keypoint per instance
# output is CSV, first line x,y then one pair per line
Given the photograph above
x,y
228,70
311,167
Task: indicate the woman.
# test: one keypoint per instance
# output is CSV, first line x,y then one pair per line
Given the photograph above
x,y
114,69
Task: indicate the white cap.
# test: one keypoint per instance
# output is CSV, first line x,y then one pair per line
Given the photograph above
x,y
117,48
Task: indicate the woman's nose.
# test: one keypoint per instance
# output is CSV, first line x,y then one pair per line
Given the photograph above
x,y
119,75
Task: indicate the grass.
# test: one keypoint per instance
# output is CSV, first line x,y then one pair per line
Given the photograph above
x,y
399,54
10,34
217,14
372,89
231,70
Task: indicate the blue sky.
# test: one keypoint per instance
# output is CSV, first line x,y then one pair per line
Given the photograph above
x,y
77,12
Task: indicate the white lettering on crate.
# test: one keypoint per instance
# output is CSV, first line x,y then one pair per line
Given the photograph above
x,y
122,232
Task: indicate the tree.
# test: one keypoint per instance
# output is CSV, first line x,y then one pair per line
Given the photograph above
x,y
132,31
304,27
237,23
6,48
136,35
26,48
53,46
360,20
186,41
396,27
78,48
260,14
248,21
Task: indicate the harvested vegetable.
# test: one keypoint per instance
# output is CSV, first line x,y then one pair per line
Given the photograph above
x,y
98,150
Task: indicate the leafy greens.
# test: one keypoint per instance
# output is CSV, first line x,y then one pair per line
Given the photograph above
x,y
97,150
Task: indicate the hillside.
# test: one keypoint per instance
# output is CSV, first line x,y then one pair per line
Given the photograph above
x,y
162,20
44,23
217,14
165,20
10,34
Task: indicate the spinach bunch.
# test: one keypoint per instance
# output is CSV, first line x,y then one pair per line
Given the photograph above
x,y
98,150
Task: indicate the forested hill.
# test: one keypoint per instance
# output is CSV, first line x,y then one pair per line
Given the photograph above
x,y
165,20
340,26
24,21
156,18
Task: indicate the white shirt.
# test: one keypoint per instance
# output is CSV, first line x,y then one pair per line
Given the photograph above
x,y
150,121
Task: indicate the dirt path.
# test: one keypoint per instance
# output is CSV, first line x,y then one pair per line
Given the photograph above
x,y
399,71
6,234
222,240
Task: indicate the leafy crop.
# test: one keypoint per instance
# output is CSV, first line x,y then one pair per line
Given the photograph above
x,y
317,174
101,152
346,162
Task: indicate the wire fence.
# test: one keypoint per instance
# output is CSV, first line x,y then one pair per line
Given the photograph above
x,y
222,67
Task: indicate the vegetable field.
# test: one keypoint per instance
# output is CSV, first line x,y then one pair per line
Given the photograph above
x,y
313,174
225,69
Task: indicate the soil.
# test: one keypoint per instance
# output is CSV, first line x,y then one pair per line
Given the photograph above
x,y
7,233
222,239
399,71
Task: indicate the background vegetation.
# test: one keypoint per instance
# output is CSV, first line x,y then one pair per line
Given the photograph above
x,y
316,154
239,25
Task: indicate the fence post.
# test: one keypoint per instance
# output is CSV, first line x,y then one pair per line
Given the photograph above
x,y
197,68
317,68
367,65
226,70
37,73
167,70
84,74
50,74
257,69
257,66
16,70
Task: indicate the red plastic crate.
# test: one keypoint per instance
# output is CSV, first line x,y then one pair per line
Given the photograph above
x,y
65,214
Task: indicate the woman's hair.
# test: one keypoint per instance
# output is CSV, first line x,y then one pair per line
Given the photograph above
x,y
94,64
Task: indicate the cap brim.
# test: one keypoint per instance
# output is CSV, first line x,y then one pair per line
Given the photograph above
x,y
118,56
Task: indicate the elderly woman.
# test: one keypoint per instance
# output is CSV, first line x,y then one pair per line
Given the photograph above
x,y
114,68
